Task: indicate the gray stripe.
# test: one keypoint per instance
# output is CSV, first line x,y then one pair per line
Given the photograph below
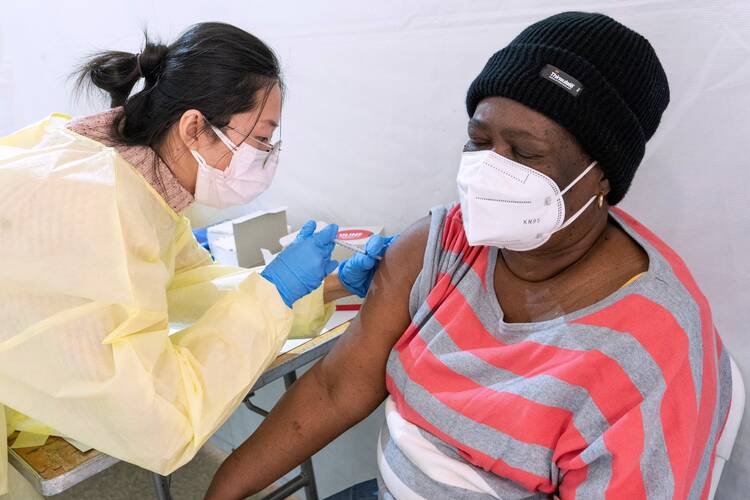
x,y
587,417
644,373
458,271
415,479
503,487
599,460
531,458
429,331
675,298
431,264
699,481
623,349
723,401
659,286
669,293
641,370
543,389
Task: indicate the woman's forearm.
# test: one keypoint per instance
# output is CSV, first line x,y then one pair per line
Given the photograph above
x,y
304,421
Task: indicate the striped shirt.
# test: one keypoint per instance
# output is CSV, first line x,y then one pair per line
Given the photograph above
x,y
625,398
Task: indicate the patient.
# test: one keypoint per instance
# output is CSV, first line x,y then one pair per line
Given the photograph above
x,y
529,341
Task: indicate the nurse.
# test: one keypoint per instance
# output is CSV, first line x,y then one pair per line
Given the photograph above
x,y
96,259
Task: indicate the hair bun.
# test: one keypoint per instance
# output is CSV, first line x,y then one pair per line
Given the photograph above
x,y
151,60
216,68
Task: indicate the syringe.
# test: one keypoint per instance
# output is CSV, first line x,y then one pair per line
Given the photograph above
x,y
353,248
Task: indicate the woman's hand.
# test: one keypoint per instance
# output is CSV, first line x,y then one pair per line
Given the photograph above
x,y
302,266
356,273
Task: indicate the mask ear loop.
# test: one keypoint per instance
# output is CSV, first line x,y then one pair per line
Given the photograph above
x,y
223,138
575,181
548,201
232,147
573,217
577,214
199,158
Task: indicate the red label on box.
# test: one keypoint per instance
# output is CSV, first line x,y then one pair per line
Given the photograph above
x,y
353,234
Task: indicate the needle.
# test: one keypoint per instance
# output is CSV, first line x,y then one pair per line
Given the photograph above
x,y
353,248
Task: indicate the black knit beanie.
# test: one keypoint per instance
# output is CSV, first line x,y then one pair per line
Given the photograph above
x,y
597,78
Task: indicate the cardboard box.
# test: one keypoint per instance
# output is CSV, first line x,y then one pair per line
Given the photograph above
x,y
239,241
257,231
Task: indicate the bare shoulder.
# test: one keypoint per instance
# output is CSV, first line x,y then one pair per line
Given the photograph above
x,y
385,312
360,355
400,266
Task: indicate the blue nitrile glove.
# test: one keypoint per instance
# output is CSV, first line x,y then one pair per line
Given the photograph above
x,y
356,273
301,267
201,236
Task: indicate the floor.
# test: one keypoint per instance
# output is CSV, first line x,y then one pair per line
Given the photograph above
x,y
127,482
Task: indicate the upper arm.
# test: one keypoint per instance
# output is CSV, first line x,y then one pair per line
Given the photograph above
x,y
354,370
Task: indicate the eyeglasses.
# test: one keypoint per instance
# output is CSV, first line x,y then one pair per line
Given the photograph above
x,y
258,144
272,149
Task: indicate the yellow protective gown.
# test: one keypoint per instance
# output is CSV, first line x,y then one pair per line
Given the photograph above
x,y
94,266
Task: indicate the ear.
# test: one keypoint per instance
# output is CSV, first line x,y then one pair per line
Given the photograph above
x,y
190,126
604,187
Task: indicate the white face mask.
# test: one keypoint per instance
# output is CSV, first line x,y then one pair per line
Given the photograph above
x,y
249,173
508,205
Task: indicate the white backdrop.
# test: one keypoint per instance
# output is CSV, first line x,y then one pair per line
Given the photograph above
x,y
374,118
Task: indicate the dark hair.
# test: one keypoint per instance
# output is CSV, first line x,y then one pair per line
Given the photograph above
x,y
215,68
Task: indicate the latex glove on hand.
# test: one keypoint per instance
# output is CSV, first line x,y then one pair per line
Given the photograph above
x,y
302,266
356,273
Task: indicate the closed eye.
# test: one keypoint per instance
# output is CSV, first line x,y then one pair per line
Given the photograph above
x,y
526,155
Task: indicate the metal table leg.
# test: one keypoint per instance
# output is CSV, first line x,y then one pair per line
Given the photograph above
x,y
253,407
161,486
311,488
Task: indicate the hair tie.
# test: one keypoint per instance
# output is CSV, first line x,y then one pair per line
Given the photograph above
x,y
138,65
